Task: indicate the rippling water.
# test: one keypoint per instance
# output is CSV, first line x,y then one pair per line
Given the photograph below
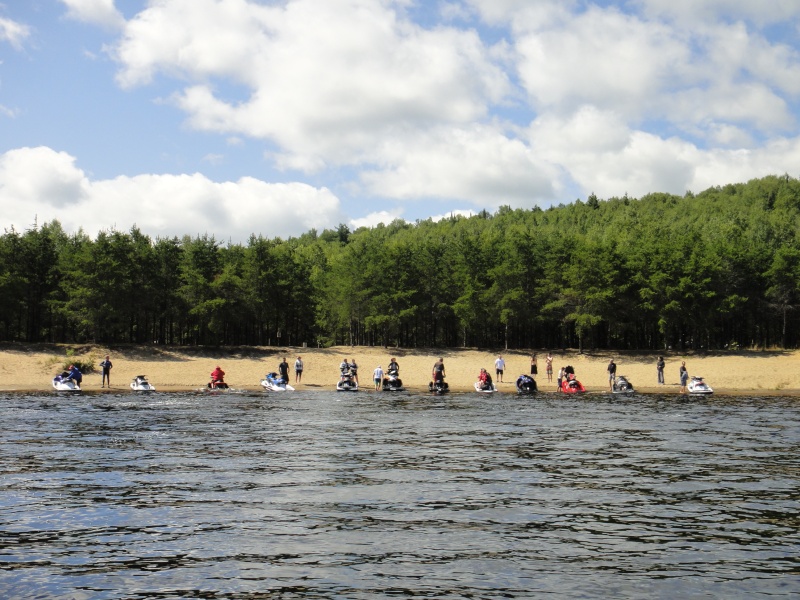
x,y
362,495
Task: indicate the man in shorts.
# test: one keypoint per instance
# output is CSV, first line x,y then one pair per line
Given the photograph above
x,y
499,367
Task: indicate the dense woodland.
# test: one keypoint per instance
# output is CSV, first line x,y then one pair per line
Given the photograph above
x,y
720,269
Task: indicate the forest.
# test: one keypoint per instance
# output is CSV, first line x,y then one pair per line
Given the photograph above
x,y
711,271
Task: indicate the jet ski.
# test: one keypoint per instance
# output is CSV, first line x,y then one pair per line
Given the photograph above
x,y
140,384
62,383
392,382
698,387
622,386
274,383
347,382
526,385
570,385
438,387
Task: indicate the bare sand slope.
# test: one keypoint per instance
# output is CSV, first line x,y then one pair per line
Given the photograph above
x,y
33,367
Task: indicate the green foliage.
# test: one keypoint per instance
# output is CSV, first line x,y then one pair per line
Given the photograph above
x,y
706,270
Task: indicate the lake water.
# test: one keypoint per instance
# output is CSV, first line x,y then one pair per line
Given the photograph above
x,y
363,495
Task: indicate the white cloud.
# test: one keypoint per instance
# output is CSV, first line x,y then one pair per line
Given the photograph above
x,y
373,219
604,58
98,12
43,177
454,213
604,157
45,183
721,166
14,33
694,11
478,164
328,81
639,96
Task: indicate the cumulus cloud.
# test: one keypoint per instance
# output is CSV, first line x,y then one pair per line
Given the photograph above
x,y
639,96
478,164
97,12
693,11
40,182
328,81
373,219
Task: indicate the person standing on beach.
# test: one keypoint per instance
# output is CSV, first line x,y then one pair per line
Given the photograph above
x,y
298,370
283,370
499,367
684,377
438,370
534,367
377,377
106,366
660,370
612,374
560,377
548,367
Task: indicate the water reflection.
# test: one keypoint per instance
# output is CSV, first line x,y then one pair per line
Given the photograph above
x,y
319,495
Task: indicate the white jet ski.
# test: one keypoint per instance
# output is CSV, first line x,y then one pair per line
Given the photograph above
x,y
392,382
62,384
272,382
347,384
140,384
485,389
698,387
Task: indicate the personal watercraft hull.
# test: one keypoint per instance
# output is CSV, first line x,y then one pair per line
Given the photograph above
x,y
698,387
526,386
622,386
439,388
275,385
572,387
140,384
66,386
142,387
485,390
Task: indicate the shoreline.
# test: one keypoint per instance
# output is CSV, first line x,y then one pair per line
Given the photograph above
x,y
29,368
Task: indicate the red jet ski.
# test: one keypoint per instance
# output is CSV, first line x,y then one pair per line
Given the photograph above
x,y
570,385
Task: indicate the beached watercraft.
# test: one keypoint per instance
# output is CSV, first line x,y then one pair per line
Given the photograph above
x,y
698,387
438,387
570,385
392,382
485,388
347,385
140,384
62,383
347,382
622,386
274,383
526,384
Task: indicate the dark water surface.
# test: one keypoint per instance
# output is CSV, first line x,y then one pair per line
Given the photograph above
x,y
362,495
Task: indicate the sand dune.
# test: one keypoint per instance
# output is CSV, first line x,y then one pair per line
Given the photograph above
x,y
31,368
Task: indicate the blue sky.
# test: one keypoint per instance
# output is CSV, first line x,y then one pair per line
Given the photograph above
x,y
232,117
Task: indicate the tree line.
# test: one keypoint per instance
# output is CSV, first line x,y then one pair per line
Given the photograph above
x,y
719,269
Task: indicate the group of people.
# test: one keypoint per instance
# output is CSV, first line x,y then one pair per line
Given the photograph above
x,y
378,375
349,369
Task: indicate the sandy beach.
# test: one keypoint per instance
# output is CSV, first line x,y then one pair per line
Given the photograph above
x,y
32,367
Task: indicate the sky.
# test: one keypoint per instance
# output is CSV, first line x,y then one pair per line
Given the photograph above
x,y
272,117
